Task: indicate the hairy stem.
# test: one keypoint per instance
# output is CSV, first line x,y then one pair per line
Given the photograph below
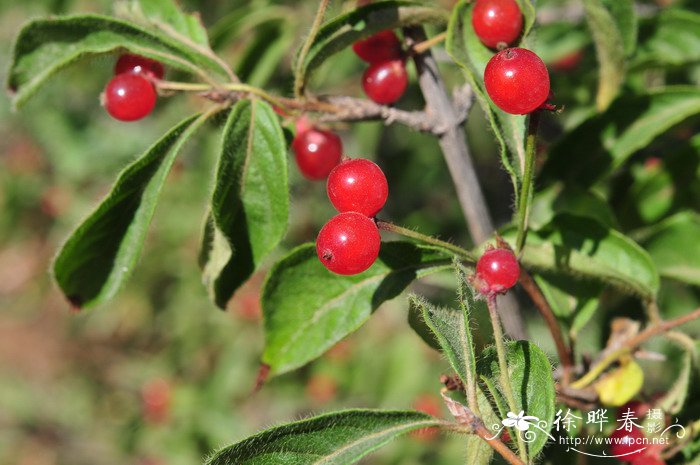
x,y
528,179
390,227
459,162
424,46
564,351
503,367
318,20
630,345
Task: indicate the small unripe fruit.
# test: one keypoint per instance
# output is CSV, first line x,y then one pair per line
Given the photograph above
x,y
129,97
385,82
496,271
382,46
317,152
357,185
348,244
497,22
517,81
129,63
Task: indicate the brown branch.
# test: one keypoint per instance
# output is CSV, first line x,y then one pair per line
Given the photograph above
x,y
535,293
459,162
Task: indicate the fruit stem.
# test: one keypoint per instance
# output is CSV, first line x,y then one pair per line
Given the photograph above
x,y
631,344
298,75
503,367
391,227
528,179
422,47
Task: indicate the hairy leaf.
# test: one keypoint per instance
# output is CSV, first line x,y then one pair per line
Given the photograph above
x,y
585,249
533,385
341,32
669,38
250,204
167,17
102,252
307,309
45,46
339,438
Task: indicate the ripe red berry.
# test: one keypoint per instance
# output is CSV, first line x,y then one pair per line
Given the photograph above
x,y
517,81
496,271
317,152
497,22
357,185
129,97
385,82
648,459
382,46
625,443
129,63
348,244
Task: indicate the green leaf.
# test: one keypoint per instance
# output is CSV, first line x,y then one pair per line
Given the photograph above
x,y
605,142
675,248
471,55
626,20
46,46
307,309
339,438
250,203
610,43
167,17
265,52
559,40
102,252
585,249
574,302
533,385
561,198
342,31
669,38
247,18
675,397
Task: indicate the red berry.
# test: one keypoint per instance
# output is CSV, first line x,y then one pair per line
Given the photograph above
x,y
129,63
497,271
497,22
317,152
357,185
625,443
568,62
517,81
156,400
385,82
382,46
648,459
129,97
348,244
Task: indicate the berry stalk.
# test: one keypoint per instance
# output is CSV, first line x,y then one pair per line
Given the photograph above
x,y
390,227
525,197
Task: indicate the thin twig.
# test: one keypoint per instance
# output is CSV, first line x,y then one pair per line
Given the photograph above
x,y
318,20
390,227
459,162
630,345
526,187
564,351
421,47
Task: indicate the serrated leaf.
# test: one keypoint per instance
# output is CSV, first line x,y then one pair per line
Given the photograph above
x,y
585,249
605,142
610,48
342,31
533,385
101,253
669,38
45,46
250,203
339,438
307,309
675,248
168,17
471,55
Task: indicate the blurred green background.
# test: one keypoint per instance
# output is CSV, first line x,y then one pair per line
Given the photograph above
x,y
160,376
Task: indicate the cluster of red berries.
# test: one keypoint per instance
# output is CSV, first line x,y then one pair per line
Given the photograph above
x,y
516,79
349,242
130,95
385,80
497,270
630,446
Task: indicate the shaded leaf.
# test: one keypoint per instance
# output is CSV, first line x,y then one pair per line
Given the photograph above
x,y
167,17
250,203
339,438
45,46
669,38
560,198
307,309
341,32
101,253
533,385
574,302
